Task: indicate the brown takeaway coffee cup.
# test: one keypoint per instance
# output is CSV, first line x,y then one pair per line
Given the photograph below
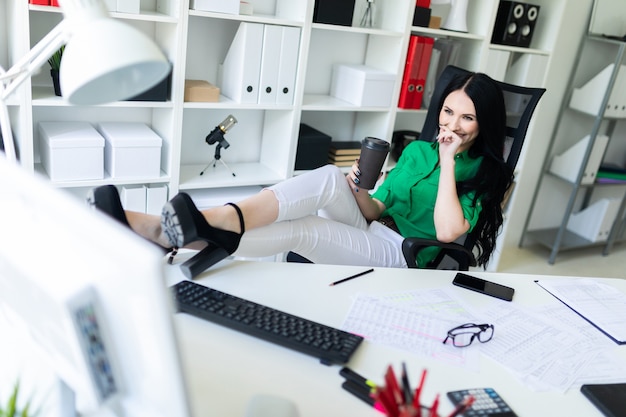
x,y
373,154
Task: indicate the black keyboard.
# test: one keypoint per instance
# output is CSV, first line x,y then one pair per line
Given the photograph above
x,y
328,344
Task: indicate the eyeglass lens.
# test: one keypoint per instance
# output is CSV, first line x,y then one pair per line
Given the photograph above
x,y
486,334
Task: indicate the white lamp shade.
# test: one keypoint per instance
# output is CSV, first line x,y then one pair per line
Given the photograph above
x,y
107,61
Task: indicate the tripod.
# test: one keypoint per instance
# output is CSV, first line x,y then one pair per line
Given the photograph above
x,y
217,158
367,21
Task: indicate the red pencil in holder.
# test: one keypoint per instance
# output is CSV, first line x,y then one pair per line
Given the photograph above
x,y
395,402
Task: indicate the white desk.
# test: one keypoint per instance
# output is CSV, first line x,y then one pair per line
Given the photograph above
x,y
225,368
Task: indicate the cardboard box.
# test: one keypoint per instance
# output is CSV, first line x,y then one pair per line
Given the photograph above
x,y
71,151
362,85
132,150
219,6
435,22
312,151
201,91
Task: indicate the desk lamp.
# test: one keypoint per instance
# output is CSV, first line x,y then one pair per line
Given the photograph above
x,y
104,60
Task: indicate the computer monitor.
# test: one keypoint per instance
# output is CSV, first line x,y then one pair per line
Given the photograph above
x,y
94,297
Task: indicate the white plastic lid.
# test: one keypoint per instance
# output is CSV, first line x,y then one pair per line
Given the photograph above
x,y
129,134
70,135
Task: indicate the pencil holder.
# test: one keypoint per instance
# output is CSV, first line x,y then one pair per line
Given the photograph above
x,y
397,398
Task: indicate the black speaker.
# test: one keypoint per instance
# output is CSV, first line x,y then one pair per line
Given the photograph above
x,y
515,23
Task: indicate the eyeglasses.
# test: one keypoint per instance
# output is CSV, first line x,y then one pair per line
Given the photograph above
x,y
465,334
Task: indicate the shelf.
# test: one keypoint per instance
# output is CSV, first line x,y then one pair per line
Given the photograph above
x,y
442,33
163,179
599,98
145,15
245,174
352,29
266,19
547,237
44,97
517,49
320,102
226,103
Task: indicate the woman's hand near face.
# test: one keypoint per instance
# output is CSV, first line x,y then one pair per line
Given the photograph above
x,y
449,142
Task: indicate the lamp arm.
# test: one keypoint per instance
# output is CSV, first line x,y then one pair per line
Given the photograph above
x,y
32,61
7,134
22,70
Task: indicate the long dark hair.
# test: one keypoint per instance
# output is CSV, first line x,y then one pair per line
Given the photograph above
x,y
494,176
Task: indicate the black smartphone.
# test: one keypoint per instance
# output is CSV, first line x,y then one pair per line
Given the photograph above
x,y
483,286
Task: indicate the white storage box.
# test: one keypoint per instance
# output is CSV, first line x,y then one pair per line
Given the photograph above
x,y
156,197
362,85
219,6
133,198
132,150
71,151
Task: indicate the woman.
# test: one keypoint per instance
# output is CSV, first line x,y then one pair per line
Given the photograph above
x,y
438,190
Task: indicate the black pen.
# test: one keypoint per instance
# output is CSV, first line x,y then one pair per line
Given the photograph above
x,y
351,277
406,386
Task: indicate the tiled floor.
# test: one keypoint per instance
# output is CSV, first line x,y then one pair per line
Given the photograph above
x,y
587,262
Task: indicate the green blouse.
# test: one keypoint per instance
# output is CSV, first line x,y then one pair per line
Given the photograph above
x,y
410,190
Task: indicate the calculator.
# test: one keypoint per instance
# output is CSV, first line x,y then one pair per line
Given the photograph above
x,y
487,403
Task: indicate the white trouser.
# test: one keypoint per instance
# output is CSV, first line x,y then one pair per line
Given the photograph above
x,y
319,219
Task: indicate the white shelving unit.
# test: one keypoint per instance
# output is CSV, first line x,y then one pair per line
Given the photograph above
x,y
264,142
596,115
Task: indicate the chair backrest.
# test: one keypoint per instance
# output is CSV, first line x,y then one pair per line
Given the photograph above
x,y
520,104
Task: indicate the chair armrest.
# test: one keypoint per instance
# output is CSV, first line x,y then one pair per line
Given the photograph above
x,y
411,246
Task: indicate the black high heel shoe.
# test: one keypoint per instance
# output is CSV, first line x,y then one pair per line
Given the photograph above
x,y
183,224
106,198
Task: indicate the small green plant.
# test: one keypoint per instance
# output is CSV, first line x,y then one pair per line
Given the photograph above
x,y
10,409
55,59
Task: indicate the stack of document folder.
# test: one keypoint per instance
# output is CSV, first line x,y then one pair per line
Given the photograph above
x,y
261,64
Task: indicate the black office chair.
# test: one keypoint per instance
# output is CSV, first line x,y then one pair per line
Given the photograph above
x,y
520,104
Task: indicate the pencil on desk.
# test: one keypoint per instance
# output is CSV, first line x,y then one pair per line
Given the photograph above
x,y
351,277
